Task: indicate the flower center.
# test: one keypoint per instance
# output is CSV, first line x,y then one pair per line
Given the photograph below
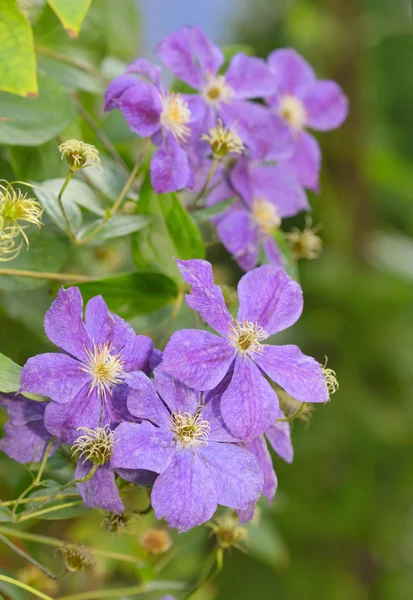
x,y
223,141
265,215
175,116
105,368
218,91
246,337
190,430
96,445
293,111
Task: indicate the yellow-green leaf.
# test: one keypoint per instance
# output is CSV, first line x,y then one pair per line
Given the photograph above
x,y
70,13
17,56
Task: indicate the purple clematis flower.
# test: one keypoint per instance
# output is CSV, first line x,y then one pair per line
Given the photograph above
x,y
270,301
194,59
187,443
84,380
25,436
165,117
266,195
303,102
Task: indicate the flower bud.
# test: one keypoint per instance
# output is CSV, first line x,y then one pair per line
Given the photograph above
x,y
77,557
156,541
306,243
223,141
96,445
79,155
228,532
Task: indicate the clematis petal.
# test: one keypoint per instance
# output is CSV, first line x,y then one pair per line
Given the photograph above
x,y
141,106
115,90
170,167
218,432
326,105
236,474
269,297
143,401
294,75
21,410
176,52
25,443
279,436
300,375
197,358
101,490
205,297
55,375
150,72
138,476
64,420
63,323
136,353
209,56
272,252
281,188
258,447
305,162
239,234
142,446
178,397
249,405
250,77
185,495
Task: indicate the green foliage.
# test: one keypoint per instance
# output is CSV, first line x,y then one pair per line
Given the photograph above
x,y
71,13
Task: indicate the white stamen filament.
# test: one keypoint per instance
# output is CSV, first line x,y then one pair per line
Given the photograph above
x,y
217,91
190,430
175,116
105,368
292,109
265,215
246,337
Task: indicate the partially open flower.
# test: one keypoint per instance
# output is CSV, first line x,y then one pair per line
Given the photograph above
x,y
15,208
223,141
305,243
77,557
228,532
96,445
156,541
79,155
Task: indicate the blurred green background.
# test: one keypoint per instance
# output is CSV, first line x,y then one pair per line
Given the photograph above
x,y
341,527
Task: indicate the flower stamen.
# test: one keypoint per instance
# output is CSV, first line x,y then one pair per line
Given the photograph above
x,y
246,337
223,141
105,368
175,115
96,445
190,430
218,91
292,109
265,215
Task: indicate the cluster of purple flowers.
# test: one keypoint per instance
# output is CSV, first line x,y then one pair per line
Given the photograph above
x,y
190,422
251,116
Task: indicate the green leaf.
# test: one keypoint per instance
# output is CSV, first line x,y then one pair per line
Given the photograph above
x,y
205,214
70,77
17,56
118,226
71,13
46,253
133,294
31,122
5,516
10,379
172,233
37,162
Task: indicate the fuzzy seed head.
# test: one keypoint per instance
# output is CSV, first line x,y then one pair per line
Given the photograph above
x,y
246,337
223,141
80,155
175,115
292,109
77,557
96,445
190,430
105,368
218,91
265,215
306,243
156,541
126,523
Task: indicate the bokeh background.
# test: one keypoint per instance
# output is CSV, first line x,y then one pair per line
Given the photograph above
x,y
341,527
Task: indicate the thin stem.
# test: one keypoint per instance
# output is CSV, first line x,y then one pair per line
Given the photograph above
x,y
45,511
126,591
27,557
206,184
46,275
37,499
44,461
294,416
48,541
70,229
73,62
24,586
214,558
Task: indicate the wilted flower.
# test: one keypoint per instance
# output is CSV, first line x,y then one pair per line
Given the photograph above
x,y
270,301
156,541
187,443
77,557
79,155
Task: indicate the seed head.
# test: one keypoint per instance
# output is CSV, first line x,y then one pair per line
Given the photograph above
x,y
223,141
96,445
156,541
306,243
228,532
125,523
77,557
80,155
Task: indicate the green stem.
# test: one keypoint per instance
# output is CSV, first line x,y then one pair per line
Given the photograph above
x,y
37,499
46,275
44,461
206,184
216,556
45,511
73,62
27,557
126,591
294,416
24,586
70,230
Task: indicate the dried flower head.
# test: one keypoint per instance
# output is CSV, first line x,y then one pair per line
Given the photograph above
x,y
77,557
126,523
15,208
228,532
223,141
156,541
80,155
96,445
305,243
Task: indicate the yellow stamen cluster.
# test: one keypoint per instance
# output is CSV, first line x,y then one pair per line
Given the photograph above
x,y
156,541
175,116
306,243
331,380
190,430
293,111
96,445
228,532
80,155
77,557
246,337
15,208
105,368
265,215
223,141
218,91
